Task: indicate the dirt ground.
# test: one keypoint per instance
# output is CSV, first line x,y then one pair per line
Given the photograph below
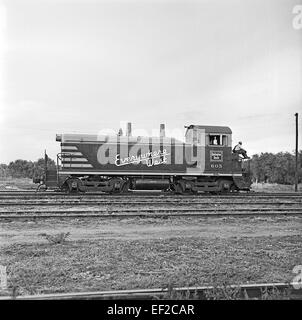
x,y
274,187
149,228
103,254
16,184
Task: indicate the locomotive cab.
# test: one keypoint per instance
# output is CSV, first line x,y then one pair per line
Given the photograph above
x,y
221,163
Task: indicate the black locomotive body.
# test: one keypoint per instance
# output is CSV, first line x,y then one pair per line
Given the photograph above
x,y
204,162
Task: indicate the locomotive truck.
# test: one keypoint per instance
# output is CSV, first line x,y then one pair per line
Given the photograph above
x,y
121,163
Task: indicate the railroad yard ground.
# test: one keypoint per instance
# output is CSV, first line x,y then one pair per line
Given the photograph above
x,y
17,184
150,253
145,252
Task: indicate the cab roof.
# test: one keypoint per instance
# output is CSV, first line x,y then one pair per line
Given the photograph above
x,y
212,129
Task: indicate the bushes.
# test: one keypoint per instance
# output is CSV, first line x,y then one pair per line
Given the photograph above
x,y
3,171
275,168
25,169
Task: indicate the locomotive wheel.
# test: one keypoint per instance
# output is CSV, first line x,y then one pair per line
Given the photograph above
x,y
118,186
194,190
178,188
233,188
224,186
74,185
125,187
73,190
41,187
64,188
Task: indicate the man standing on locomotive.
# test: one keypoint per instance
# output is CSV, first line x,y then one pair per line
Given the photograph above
x,y
239,150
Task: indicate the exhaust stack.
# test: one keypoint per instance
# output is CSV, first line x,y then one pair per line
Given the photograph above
x,y
129,130
162,130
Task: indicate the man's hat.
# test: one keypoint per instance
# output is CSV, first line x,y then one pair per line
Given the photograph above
x,y
240,142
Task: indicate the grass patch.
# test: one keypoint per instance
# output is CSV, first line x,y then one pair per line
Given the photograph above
x,y
114,264
274,187
11,184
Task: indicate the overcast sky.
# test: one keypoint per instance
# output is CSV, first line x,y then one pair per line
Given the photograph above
x,y
83,66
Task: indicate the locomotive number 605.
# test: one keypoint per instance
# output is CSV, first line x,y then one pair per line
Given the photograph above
x,y
216,166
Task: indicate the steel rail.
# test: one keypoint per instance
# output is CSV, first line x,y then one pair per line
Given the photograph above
x,y
162,215
135,191
180,198
144,193
291,291
106,202
159,210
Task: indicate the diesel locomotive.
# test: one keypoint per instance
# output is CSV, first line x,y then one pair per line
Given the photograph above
x,y
121,163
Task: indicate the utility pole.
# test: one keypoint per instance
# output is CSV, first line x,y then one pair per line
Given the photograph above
x,y
296,169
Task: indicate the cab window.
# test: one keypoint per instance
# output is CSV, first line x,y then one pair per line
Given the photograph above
x,y
217,140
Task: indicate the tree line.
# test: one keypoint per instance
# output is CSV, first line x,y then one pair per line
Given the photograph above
x,y
275,168
264,167
25,169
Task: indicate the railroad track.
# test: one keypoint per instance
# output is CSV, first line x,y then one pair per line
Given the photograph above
x,y
17,194
155,205
146,202
247,291
148,198
148,213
